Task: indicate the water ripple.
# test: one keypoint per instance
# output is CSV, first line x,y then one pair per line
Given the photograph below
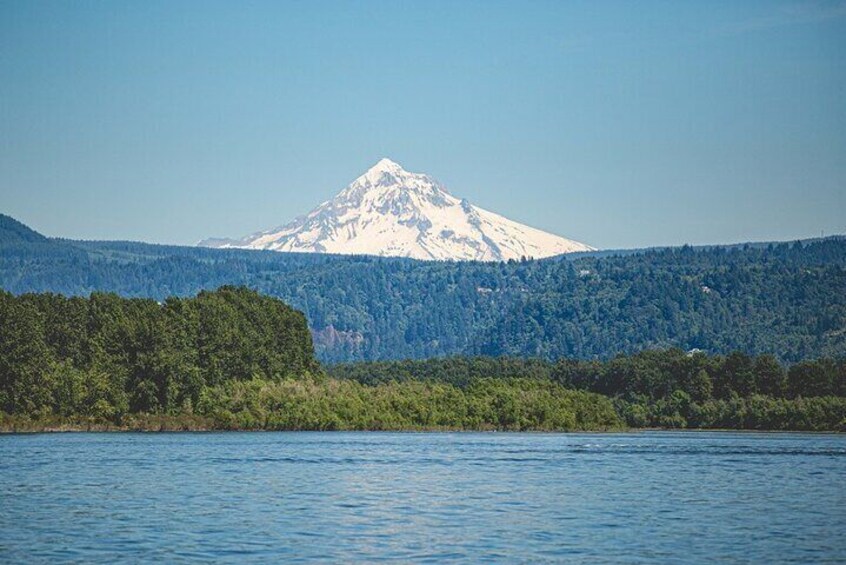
x,y
428,498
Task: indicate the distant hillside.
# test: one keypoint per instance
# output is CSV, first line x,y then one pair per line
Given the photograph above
x,y
13,232
785,299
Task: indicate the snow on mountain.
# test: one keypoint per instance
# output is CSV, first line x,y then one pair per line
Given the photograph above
x,y
392,212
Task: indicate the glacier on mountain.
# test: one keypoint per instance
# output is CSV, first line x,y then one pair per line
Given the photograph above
x,y
389,211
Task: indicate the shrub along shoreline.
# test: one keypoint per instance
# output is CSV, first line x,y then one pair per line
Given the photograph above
x,y
321,404
318,403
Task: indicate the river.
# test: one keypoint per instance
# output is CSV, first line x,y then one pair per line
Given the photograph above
x,y
423,497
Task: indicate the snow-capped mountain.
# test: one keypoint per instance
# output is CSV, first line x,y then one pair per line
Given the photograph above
x,y
390,211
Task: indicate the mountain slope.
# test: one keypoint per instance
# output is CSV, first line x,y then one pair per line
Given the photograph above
x,y
14,232
786,299
389,211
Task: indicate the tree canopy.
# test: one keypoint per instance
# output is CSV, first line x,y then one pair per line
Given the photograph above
x,y
107,355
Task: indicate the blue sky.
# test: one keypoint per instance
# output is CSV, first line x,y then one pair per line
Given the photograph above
x,y
620,124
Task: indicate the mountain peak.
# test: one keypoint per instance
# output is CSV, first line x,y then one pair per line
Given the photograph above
x,y
386,165
393,212
377,173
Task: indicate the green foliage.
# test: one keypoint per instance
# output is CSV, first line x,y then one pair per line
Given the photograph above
x,y
789,299
234,359
662,388
492,404
458,371
649,375
108,356
756,412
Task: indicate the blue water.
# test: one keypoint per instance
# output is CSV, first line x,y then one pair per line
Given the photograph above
x,y
346,497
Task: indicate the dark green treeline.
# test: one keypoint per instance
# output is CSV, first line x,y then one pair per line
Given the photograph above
x,y
105,356
661,388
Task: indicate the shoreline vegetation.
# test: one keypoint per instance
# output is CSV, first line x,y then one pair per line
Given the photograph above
x,y
519,404
154,424
233,359
324,404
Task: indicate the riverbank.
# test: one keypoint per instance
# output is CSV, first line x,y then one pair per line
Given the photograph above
x,y
133,423
155,424
199,424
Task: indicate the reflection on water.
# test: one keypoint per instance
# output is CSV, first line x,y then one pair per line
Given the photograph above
x,y
423,497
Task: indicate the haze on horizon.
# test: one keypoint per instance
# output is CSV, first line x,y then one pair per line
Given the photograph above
x,y
616,124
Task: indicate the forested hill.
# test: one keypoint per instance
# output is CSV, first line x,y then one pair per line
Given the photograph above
x,y
785,299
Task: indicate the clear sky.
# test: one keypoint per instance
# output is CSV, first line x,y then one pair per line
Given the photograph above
x,y
620,124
